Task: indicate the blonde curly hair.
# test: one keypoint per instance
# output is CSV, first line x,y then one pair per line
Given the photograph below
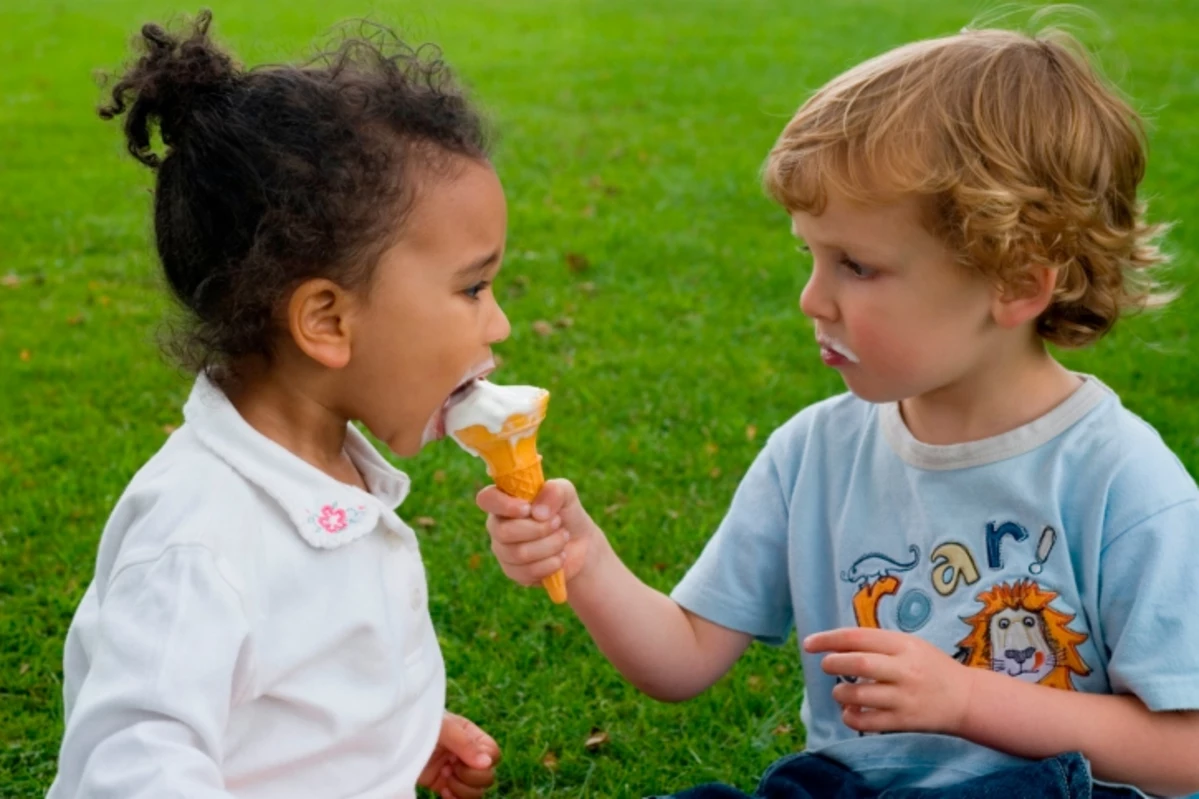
x,y
1025,154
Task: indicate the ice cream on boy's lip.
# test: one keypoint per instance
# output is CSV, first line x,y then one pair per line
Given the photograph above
x,y
833,350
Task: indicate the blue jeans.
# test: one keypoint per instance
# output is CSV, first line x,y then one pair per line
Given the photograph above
x,y
812,776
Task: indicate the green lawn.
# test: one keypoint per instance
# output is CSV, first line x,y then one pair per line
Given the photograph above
x,y
631,141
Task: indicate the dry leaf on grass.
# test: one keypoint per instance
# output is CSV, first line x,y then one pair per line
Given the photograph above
x,y
577,262
597,739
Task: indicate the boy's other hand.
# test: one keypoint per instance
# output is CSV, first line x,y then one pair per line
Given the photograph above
x,y
533,540
905,684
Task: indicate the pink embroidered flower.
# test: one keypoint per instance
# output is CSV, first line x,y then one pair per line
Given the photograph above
x,y
332,519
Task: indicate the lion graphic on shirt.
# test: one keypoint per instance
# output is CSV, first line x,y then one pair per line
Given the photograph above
x,y
1017,633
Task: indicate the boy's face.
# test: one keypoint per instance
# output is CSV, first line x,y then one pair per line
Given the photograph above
x,y
893,312
429,316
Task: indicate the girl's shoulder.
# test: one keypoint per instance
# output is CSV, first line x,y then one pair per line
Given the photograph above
x,y
184,496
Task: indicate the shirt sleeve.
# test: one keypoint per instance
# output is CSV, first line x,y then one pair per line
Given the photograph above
x,y
741,579
149,718
1149,602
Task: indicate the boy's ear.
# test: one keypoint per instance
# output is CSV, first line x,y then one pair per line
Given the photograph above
x,y
317,319
1025,298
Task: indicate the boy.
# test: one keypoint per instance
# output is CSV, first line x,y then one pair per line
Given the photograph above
x,y
996,560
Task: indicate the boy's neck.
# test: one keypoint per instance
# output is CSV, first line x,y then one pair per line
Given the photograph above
x,y
297,419
996,400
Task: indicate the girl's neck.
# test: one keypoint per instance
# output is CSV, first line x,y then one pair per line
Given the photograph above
x,y
297,417
997,398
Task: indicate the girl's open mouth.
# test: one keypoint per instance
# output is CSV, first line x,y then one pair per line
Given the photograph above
x,y
459,393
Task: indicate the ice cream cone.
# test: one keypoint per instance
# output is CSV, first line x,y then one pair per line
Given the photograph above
x,y
514,464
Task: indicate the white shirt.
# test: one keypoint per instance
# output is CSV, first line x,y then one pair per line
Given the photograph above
x,y
255,629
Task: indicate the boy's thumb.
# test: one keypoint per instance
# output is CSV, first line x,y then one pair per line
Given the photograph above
x,y
554,496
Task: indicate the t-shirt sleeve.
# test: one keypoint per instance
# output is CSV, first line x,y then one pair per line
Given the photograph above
x,y
1149,602
741,579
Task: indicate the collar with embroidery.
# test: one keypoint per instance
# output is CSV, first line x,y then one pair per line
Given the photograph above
x,y
326,512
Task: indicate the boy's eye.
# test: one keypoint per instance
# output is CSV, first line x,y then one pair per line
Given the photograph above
x,y
856,269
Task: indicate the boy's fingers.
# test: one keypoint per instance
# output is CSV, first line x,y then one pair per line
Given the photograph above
x,y
517,531
536,572
532,551
856,639
492,500
881,668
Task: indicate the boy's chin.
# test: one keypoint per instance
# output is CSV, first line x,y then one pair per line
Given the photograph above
x,y
879,395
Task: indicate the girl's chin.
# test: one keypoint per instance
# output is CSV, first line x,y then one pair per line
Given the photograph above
x,y
434,431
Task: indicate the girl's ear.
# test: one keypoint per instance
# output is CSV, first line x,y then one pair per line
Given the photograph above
x,y
317,319
1024,299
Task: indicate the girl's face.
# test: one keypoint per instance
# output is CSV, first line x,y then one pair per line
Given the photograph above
x,y
429,318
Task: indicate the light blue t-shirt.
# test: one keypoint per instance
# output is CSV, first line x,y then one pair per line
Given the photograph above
x,y
1064,552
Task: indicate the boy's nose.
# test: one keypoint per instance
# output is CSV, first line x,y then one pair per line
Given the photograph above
x,y
815,301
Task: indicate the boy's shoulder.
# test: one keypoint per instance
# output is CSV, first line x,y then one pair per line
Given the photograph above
x,y
1114,445
837,421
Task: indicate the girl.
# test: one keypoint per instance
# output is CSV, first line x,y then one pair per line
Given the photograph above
x,y
257,625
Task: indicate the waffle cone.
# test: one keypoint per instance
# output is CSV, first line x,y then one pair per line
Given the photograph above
x,y
513,463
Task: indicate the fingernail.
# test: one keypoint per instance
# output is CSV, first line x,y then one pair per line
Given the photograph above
x,y
541,512
524,509
555,522
566,535
484,761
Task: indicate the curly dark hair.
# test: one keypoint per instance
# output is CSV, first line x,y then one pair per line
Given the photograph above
x,y
278,174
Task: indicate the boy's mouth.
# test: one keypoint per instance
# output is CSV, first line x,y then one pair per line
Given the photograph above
x,y
833,352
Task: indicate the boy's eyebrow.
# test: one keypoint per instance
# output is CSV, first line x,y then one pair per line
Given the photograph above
x,y
478,265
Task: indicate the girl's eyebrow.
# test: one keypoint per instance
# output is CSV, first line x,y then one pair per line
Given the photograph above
x,y
478,266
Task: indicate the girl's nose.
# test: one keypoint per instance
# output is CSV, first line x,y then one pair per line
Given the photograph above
x,y
499,328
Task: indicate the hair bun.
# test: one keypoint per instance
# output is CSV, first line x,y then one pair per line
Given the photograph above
x,y
176,76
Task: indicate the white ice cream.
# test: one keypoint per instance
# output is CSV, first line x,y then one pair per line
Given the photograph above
x,y
837,347
490,405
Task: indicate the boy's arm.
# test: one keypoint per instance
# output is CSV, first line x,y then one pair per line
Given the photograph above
x,y
1124,740
665,651
914,686
662,649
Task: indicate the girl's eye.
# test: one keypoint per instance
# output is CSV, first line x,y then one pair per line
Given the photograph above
x,y
474,291
856,269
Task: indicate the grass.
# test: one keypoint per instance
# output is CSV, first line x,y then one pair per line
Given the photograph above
x,y
632,134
